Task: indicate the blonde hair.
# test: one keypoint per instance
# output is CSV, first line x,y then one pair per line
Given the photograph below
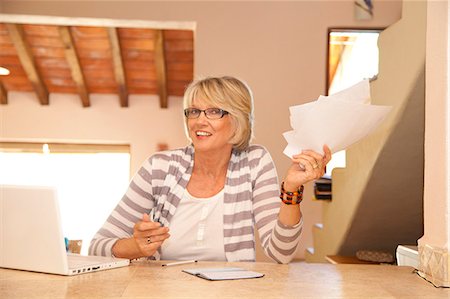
x,y
229,94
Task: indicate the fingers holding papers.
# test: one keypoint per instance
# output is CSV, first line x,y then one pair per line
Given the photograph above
x,y
307,166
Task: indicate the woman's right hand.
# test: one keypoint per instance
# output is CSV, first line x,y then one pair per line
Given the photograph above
x,y
149,235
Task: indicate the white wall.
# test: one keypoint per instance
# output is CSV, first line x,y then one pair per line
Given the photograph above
x,y
279,48
142,125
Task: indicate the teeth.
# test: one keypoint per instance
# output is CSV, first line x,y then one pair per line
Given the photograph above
x,y
201,133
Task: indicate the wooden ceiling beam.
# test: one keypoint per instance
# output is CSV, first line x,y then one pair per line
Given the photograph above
x,y
74,63
119,71
26,58
3,94
160,63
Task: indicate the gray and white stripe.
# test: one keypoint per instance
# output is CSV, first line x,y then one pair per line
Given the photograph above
x,y
250,200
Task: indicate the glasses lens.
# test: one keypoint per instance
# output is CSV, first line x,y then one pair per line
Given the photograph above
x,y
192,112
214,113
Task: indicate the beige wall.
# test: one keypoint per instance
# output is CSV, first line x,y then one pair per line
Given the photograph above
x,y
434,246
278,48
436,193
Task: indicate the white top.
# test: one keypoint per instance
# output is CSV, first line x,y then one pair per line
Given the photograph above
x,y
196,230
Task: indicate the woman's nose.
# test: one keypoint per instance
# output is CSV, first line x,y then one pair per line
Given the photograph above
x,y
202,117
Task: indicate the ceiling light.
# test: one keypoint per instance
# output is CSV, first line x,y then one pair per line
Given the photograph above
x,y
4,71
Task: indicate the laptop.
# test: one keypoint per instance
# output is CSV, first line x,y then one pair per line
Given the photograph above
x,y
31,236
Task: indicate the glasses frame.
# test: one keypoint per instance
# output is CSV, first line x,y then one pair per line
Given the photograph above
x,y
205,111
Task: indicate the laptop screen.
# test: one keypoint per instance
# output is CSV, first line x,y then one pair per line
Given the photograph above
x,y
31,237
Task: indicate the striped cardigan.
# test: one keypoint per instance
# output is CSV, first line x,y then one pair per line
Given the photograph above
x,y
250,199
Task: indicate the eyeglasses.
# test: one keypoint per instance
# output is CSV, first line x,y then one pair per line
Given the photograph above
x,y
210,113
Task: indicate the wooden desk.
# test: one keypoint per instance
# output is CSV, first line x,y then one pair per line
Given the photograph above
x,y
340,259
296,280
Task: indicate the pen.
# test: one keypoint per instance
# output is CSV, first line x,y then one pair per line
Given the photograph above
x,y
152,216
178,263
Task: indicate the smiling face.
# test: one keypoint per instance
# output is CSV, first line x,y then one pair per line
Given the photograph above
x,y
229,94
210,134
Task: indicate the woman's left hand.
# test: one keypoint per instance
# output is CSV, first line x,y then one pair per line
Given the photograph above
x,y
306,166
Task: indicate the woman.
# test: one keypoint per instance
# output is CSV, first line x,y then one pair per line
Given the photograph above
x,y
211,194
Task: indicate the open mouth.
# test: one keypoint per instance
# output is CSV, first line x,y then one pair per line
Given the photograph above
x,y
202,133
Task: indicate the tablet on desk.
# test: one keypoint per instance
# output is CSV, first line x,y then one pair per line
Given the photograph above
x,y
223,273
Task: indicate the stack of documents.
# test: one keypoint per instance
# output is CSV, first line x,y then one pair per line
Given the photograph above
x,y
338,120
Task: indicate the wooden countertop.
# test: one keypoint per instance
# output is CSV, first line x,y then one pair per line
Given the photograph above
x,y
296,280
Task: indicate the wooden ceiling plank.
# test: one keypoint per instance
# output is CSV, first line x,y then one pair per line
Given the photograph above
x,y
119,71
89,32
25,56
139,33
178,34
138,44
74,63
160,63
3,95
41,30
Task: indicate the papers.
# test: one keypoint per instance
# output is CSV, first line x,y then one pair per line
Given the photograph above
x,y
223,273
338,120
